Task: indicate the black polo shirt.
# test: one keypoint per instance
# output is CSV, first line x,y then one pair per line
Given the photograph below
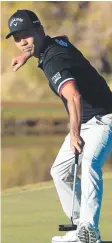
x,y
62,63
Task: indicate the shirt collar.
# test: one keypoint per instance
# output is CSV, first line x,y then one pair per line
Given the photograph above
x,y
47,42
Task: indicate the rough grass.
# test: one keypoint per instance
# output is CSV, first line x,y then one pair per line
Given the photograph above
x,y
29,159
32,213
33,110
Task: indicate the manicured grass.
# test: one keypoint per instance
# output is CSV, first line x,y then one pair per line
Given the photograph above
x,y
32,213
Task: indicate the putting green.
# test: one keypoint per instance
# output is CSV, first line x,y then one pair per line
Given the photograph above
x,y
31,214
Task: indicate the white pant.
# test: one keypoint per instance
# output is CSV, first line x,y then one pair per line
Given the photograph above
x,y
97,136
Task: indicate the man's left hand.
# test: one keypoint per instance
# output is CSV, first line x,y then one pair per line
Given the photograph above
x,y
19,61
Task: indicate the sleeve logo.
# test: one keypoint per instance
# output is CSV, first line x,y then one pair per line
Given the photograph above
x,y
56,77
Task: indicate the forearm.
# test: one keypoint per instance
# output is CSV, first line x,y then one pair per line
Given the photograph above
x,y
75,114
26,55
74,103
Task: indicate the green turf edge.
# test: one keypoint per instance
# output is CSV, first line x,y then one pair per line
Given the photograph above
x,y
40,185
28,187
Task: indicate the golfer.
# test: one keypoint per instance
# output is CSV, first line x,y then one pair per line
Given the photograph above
x,y
88,101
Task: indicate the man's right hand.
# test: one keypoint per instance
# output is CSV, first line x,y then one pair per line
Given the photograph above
x,y
19,61
76,143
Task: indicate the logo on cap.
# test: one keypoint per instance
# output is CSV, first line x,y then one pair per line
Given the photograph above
x,y
15,19
15,24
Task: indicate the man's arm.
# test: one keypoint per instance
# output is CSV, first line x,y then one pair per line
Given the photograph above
x,y
19,61
73,97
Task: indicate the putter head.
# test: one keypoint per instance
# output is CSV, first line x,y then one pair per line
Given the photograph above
x,y
67,227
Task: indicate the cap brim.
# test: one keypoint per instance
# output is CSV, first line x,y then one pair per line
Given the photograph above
x,y
10,34
14,32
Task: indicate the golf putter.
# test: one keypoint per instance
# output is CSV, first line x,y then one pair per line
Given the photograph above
x,y
70,227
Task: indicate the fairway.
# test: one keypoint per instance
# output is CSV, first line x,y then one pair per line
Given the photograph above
x,y
32,215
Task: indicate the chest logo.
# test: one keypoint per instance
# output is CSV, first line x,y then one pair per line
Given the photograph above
x,y
56,77
61,42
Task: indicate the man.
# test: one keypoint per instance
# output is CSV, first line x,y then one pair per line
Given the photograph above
x,y
88,101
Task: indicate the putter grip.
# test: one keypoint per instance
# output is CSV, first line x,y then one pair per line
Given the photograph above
x,y
76,157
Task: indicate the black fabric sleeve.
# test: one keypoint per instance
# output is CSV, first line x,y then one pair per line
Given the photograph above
x,y
57,71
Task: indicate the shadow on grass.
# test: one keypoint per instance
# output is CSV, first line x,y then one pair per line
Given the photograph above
x,y
106,241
